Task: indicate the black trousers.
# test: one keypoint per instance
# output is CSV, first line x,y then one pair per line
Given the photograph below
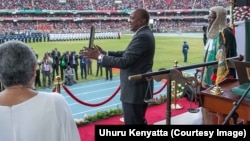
x,y
38,80
55,72
83,70
108,72
99,67
134,114
62,72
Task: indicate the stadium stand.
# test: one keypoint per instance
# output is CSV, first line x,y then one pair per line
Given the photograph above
x,y
36,20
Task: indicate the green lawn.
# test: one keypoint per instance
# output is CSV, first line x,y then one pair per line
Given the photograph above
x,y
168,50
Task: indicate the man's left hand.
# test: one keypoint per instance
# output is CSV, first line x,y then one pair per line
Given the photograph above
x,y
91,53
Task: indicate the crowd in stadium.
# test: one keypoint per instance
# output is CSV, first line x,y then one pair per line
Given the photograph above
x,y
102,14
111,4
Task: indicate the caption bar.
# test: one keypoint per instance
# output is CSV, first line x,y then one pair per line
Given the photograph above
x,y
151,132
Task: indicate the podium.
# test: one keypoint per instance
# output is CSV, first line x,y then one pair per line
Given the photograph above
x,y
174,74
222,104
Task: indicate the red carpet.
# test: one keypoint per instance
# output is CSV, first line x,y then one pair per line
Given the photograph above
x,y
154,114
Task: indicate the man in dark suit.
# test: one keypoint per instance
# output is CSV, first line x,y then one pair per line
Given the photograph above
x,y
73,62
55,54
137,58
98,68
109,73
83,65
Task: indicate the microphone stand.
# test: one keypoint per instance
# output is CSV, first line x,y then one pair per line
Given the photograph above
x,y
233,114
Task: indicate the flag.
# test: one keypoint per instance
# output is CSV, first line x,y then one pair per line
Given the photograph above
x,y
222,69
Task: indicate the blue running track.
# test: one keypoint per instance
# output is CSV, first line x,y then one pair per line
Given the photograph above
x,y
95,92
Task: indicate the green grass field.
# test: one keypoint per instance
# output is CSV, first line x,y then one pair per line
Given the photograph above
x,y
168,50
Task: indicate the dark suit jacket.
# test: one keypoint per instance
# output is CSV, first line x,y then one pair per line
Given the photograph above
x,y
137,58
83,61
71,60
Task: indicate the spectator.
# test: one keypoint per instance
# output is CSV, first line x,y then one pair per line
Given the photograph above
x,y
47,69
98,68
38,79
89,66
204,28
185,48
109,73
83,65
73,62
69,75
63,65
55,54
26,114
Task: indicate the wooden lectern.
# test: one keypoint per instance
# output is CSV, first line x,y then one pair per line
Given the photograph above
x,y
214,103
220,105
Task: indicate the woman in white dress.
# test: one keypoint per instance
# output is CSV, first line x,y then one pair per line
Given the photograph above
x,y
26,114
